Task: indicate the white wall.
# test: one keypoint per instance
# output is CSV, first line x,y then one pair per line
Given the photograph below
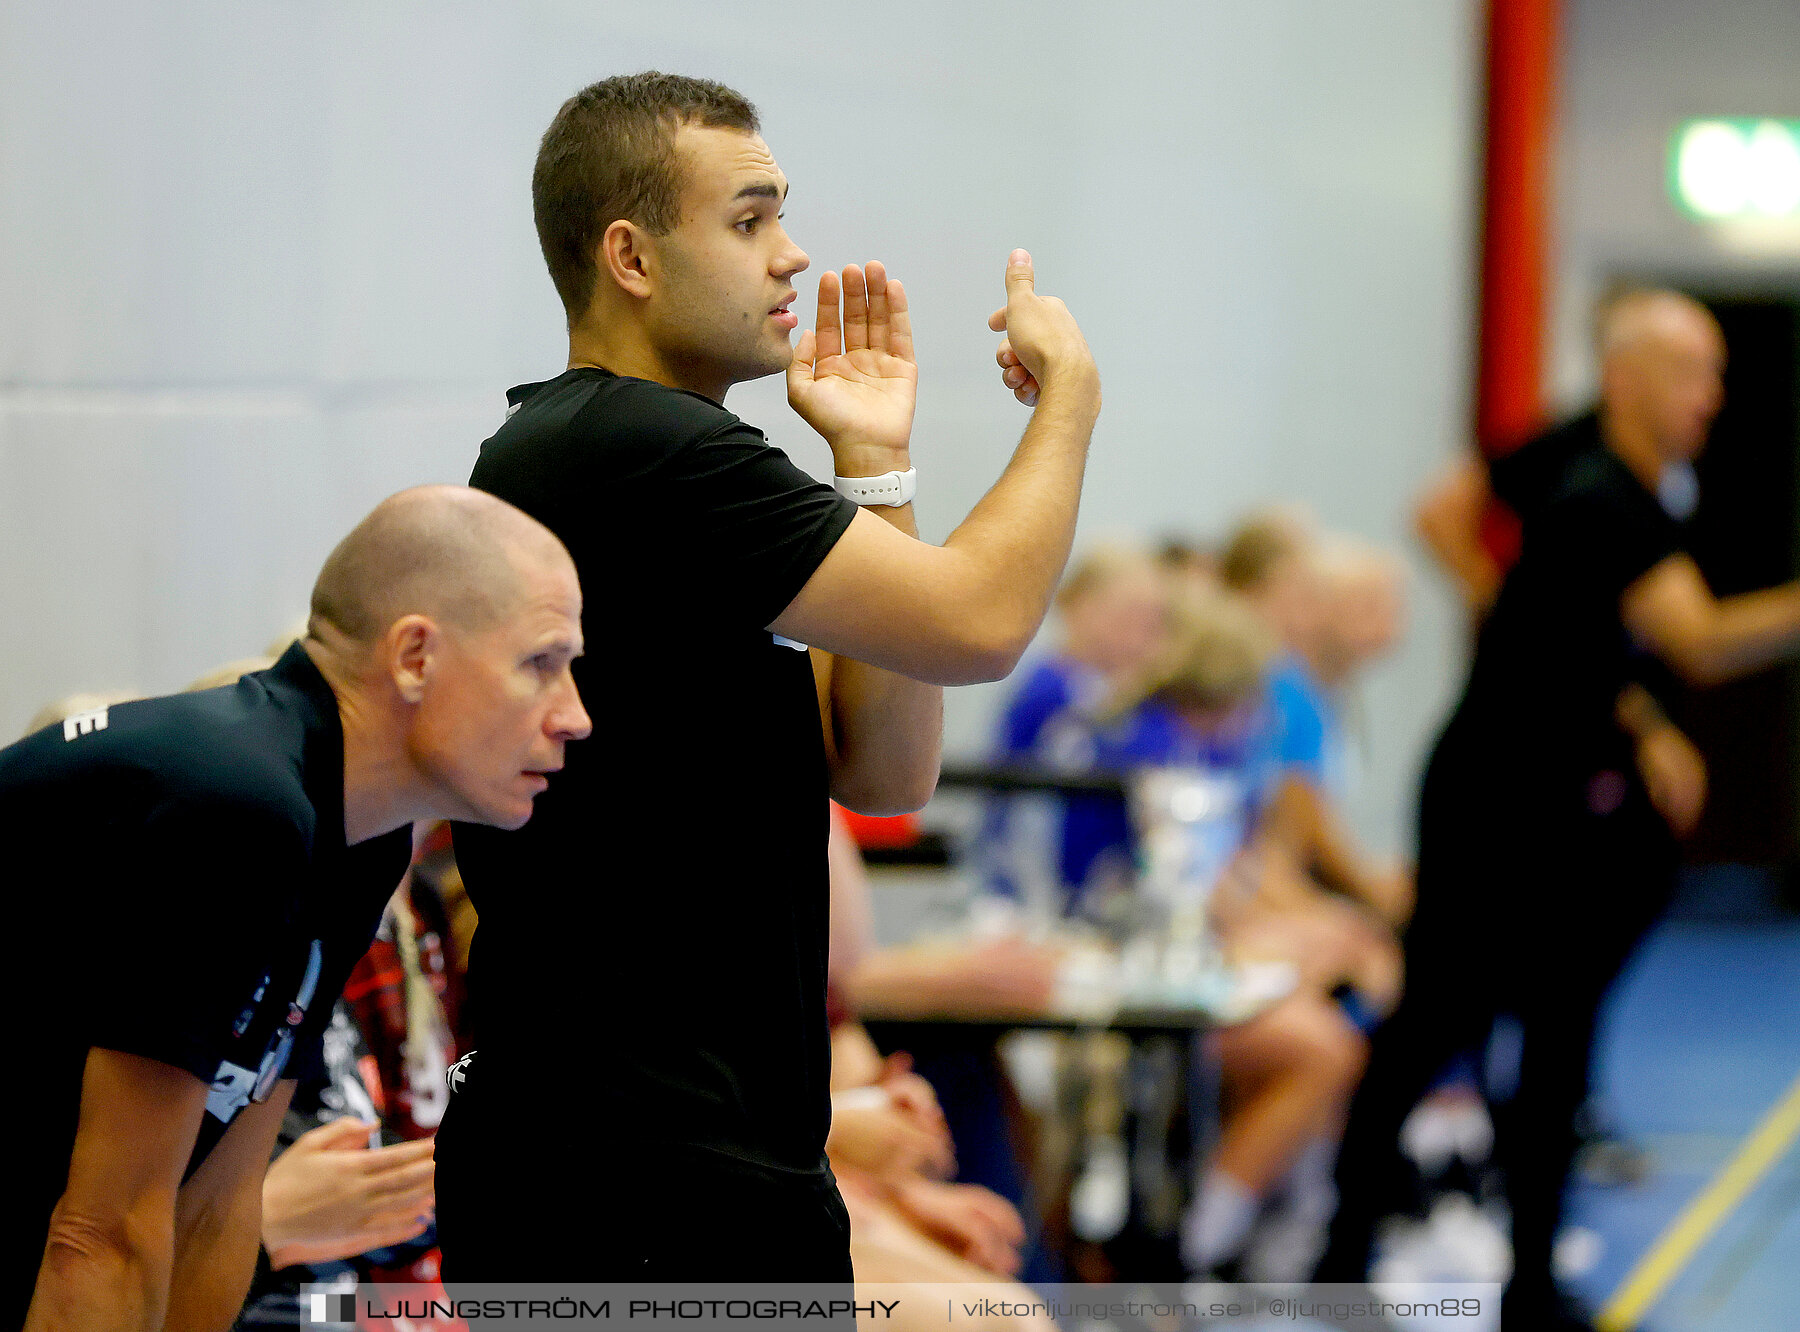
x,y
261,264
1634,70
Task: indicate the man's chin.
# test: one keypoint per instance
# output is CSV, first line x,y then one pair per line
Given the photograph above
x,y
775,363
778,351
507,818
779,358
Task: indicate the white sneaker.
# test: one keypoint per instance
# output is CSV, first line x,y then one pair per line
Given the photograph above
x,y
1578,1251
1101,1198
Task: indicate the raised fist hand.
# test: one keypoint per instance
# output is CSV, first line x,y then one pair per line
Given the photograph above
x,y
1042,339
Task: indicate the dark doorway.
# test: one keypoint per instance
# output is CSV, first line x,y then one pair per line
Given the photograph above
x,y
1745,535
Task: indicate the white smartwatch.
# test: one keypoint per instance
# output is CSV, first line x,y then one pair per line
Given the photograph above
x,y
890,488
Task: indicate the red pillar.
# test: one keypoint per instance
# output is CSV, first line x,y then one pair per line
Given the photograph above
x,y
1515,229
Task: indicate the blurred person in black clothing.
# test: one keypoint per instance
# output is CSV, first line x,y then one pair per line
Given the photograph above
x,y
1553,800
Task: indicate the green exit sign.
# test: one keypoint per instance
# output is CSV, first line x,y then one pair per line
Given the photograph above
x,y
1736,168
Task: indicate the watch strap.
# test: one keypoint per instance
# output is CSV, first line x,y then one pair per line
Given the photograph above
x,y
890,488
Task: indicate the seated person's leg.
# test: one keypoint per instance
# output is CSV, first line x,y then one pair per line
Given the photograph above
x,y
1288,1074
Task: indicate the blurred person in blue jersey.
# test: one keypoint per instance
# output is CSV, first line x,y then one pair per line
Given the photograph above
x,y
1333,605
1261,1197
1112,617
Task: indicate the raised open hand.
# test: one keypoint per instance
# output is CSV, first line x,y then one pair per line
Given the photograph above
x,y
854,379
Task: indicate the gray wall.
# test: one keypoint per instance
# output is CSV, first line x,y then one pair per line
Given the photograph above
x,y
262,264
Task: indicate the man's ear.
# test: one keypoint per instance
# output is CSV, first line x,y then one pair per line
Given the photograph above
x,y
627,256
413,643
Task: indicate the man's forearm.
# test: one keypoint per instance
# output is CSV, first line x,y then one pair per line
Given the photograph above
x,y
1637,712
218,1221
966,611
90,1285
1019,534
215,1261
888,729
1752,630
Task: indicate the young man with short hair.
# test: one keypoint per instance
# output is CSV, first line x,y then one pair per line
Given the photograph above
x,y
671,1005
223,859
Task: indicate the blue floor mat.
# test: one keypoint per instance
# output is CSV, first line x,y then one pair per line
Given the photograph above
x,y
1700,1040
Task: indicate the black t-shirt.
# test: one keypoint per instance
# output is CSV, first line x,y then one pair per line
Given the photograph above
x,y
181,891
1535,473
650,965
1554,654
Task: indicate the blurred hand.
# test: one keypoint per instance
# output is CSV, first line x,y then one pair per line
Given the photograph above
x,y
1257,874
972,1222
911,1094
331,1196
1675,776
886,1140
1043,343
854,379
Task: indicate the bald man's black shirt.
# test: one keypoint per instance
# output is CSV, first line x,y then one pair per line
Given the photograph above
x,y
1554,654
181,891
650,965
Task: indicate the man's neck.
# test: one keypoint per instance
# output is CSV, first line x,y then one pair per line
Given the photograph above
x,y
378,785
1632,444
636,358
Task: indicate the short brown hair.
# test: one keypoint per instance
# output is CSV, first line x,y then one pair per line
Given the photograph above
x,y
1261,542
610,154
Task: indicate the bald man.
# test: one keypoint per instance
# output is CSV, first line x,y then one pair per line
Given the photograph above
x,y
222,859
1661,361
1552,802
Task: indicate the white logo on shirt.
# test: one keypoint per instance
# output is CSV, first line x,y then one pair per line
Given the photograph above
x,y
230,1093
455,1074
85,723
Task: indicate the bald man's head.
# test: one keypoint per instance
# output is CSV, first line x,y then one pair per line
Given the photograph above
x,y
1662,366
447,625
1631,318
456,555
